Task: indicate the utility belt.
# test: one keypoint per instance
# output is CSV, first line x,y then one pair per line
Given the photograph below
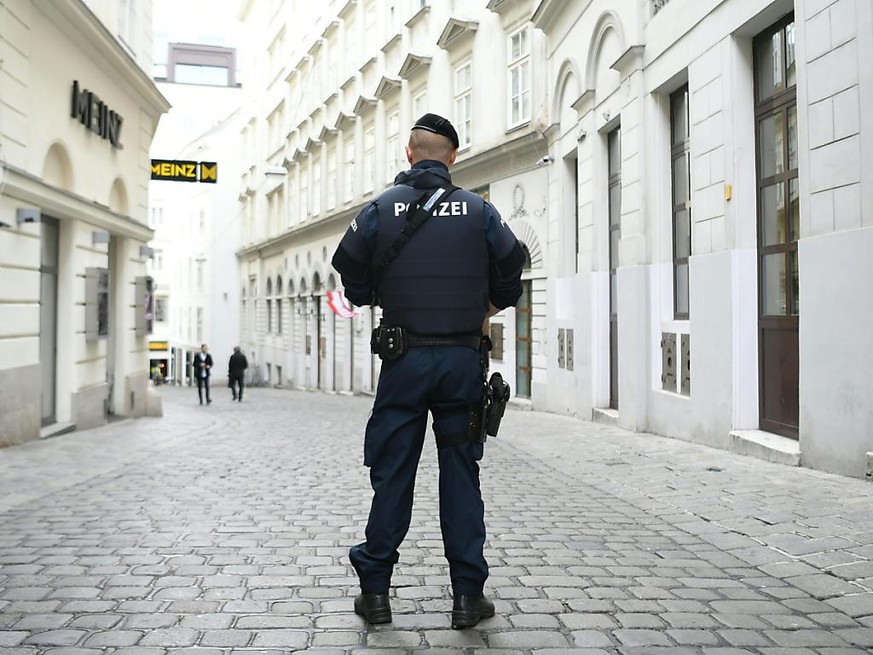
x,y
391,343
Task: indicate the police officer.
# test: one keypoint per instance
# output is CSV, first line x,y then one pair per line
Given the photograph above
x,y
462,266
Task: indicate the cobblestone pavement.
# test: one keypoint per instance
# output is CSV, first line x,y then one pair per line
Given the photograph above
x,y
225,530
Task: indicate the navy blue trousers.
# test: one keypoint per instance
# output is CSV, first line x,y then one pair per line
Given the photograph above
x,y
442,380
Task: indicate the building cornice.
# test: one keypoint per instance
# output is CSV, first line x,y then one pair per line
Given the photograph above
x,y
475,170
31,190
549,11
386,86
89,33
456,31
276,245
412,64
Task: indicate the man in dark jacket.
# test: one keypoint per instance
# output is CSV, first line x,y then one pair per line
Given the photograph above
x,y
462,265
202,371
236,369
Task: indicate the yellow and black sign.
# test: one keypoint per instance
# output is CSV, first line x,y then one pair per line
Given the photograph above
x,y
159,345
208,172
180,170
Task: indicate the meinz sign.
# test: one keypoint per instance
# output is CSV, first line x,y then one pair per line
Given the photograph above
x,y
95,114
179,170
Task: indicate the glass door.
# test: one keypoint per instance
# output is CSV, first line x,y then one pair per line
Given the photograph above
x,y
778,228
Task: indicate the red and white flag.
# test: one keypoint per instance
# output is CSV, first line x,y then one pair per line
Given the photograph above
x,y
340,304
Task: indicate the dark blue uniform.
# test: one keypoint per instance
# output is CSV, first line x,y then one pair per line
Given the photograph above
x,y
440,284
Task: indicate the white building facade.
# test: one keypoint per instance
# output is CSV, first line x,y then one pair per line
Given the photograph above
x,y
77,118
689,178
196,227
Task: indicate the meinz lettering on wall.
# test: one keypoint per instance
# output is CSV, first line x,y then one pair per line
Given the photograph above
x,y
95,114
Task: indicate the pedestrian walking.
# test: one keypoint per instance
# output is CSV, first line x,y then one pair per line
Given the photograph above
x,y
203,371
436,290
236,368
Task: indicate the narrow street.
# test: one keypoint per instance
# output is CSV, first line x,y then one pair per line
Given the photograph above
x,y
225,529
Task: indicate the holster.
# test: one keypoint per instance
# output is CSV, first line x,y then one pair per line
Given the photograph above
x,y
496,398
388,342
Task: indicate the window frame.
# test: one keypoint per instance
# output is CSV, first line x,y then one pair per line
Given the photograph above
x,y
680,150
463,97
523,63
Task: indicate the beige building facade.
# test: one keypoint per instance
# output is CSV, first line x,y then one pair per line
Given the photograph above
x,y
78,115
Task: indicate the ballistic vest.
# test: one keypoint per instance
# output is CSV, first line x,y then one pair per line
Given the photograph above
x,y
438,283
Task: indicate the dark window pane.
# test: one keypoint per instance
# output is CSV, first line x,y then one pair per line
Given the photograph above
x,y
775,300
790,55
615,204
522,322
614,152
770,64
522,384
792,138
682,234
770,140
679,116
613,293
681,280
680,180
522,352
795,283
774,227
614,236
794,210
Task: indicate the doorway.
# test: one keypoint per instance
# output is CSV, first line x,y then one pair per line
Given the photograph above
x,y
614,168
48,317
523,341
778,228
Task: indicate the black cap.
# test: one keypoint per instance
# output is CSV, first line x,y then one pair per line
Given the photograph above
x,y
438,125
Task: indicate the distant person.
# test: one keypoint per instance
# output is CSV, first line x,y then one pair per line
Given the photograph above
x,y
236,369
203,371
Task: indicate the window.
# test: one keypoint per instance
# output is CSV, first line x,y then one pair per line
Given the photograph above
x,y
497,341
349,189
614,190
127,22
370,16
394,149
200,325
278,316
331,179
369,159
419,105
201,64
351,44
160,310
681,199
199,275
269,316
304,195
464,103
316,189
519,77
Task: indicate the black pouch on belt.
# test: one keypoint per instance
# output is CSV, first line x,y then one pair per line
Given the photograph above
x,y
388,342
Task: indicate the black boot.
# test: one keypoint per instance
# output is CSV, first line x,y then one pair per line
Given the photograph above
x,y
375,608
467,611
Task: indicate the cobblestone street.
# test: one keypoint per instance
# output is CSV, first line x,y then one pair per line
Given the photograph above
x,y
225,529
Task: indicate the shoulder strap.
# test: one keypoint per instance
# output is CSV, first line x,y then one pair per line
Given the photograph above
x,y
414,220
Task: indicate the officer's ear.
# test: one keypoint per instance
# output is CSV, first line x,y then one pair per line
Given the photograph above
x,y
452,157
409,157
